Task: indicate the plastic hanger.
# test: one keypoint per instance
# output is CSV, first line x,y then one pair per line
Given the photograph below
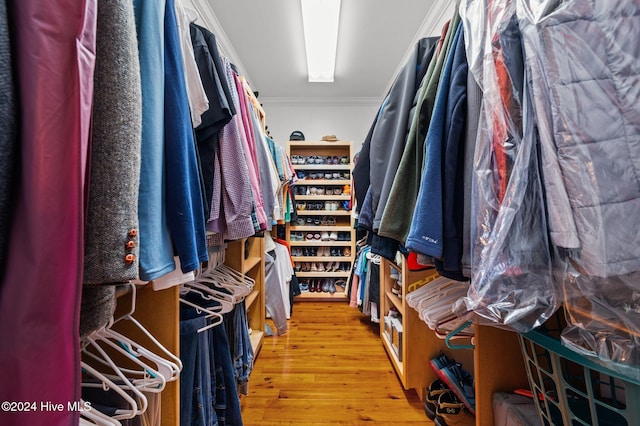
x,y
225,300
106,383
216,316
456,333
147,377
129,318
95,417
168,369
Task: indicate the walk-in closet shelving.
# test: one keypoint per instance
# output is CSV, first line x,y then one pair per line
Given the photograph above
x,y
159,313
322,240
495,362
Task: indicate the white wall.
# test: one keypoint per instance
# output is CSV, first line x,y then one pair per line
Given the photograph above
x,y
348,119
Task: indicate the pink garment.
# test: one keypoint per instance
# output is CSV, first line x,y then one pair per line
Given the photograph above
x,y
353,300
40,293
231,201
250,153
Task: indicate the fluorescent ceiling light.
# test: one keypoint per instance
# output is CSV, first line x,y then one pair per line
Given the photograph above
x,y
320,19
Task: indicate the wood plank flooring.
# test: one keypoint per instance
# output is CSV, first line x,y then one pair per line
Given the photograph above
x,y
330,369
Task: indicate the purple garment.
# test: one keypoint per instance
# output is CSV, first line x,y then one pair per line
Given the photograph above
x,y
231,203
40,293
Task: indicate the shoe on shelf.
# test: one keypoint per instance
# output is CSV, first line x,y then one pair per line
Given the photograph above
x,y
346,252
333,236
331,287
321,267
457,379
450,411
435,389
325,286
325,236
340,283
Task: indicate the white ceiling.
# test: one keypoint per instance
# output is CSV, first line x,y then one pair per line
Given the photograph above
x,y
264,38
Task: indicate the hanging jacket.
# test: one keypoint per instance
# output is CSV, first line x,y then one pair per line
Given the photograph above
x,y
112,217
394,220
436,229
185,210
512,273
389,135
583,57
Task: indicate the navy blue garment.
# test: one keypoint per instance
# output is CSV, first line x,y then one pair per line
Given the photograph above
x,y
197,389
361,168
185,211
227,403
8,135
453,173
221,108
426,232
243,354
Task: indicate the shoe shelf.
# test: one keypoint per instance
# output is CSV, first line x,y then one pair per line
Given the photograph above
x,y
322,167
343,274
336,228
322,258
495,362
407,355
394,300
319,243
322,197
323,182
324,213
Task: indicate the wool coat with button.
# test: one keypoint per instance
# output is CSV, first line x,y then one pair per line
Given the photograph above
x,y
112,217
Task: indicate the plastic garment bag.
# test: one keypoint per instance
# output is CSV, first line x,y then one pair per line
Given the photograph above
x,y
585,75
512,283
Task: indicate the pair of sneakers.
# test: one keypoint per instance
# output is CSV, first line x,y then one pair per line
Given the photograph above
x,y
452,394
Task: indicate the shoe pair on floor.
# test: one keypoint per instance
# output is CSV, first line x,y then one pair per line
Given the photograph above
x,y
453,394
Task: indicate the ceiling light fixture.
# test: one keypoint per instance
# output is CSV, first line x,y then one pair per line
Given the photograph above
x,y
321,19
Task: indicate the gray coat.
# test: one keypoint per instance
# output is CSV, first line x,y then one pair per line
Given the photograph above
x,y
112,219
8,138
583,56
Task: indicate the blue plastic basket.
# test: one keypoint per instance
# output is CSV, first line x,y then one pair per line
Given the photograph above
x,y
573,390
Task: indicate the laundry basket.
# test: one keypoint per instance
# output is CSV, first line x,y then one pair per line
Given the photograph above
x,y
572,390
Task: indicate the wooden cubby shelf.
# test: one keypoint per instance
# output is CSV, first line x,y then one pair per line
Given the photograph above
x,y
495,362
304,192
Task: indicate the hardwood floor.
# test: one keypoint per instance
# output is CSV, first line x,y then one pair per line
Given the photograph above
x,y
330,369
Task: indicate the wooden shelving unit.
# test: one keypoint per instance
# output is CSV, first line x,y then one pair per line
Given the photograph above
x,y
495,362
344,222
247,256
159,313
412,364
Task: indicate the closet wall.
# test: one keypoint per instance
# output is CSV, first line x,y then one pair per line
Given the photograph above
x,y
347,118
